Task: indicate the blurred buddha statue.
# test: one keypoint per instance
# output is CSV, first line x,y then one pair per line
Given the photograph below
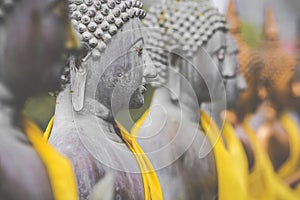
x,y
33,37
277,64
105,78
290,120
249,66
264,183
188,46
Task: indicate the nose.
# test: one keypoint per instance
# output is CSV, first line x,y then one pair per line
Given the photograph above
x,y
241,82
72,42
149,68
228,70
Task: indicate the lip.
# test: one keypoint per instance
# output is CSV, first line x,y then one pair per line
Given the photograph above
x,y
142,89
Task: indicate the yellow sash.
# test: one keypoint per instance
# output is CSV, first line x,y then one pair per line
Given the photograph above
x,y
48,129
60,171
152,189
230,185
264,183
136,127
293,162
237,152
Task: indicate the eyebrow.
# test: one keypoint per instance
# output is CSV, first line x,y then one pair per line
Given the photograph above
x,y
136,41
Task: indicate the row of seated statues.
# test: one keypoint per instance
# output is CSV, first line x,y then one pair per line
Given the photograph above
x,y
223,123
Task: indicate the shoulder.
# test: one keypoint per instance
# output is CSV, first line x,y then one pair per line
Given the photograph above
x,y
23,175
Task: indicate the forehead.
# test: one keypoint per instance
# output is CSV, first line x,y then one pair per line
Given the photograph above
x,y
231,44
132,33
217,41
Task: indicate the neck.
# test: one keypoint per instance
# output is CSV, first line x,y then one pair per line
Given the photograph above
x,y
92,109
185,103
215,109
10,109
65,111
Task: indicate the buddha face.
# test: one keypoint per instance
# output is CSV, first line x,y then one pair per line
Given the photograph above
x,y
295,90
36,36
123,81
208,82
233,80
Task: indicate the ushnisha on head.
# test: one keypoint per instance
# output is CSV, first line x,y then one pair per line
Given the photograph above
x,y
96,21
187,24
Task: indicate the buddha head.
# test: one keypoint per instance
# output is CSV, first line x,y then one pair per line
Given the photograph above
x,y
292,82
250,65
277,64
294,90
188,43
33,37
113,66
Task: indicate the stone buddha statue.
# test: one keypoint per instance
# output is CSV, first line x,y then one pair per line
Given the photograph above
x,y
188,47
234,84
33,35
108,76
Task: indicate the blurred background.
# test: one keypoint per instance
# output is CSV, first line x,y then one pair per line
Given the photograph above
x,y
41,109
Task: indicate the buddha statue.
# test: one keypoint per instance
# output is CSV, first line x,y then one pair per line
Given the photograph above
x,y
249,65
291,120
234,84
264,182
188,47
34,35
277,64
108,76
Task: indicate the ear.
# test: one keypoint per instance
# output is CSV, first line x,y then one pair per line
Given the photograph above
x,y
78,82
174,79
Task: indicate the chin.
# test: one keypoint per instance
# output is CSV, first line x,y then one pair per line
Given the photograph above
x,y
231,105
136,101
53,85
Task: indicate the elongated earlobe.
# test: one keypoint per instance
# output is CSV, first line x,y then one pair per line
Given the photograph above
x,y
78,81
174,65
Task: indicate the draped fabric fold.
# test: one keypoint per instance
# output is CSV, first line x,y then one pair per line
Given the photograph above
x,y
293,162
59,169
231,181
264,183
152,189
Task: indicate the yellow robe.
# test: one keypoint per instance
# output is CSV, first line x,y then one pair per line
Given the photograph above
x,y
292,164
152,189
264,183
60,171
231,163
